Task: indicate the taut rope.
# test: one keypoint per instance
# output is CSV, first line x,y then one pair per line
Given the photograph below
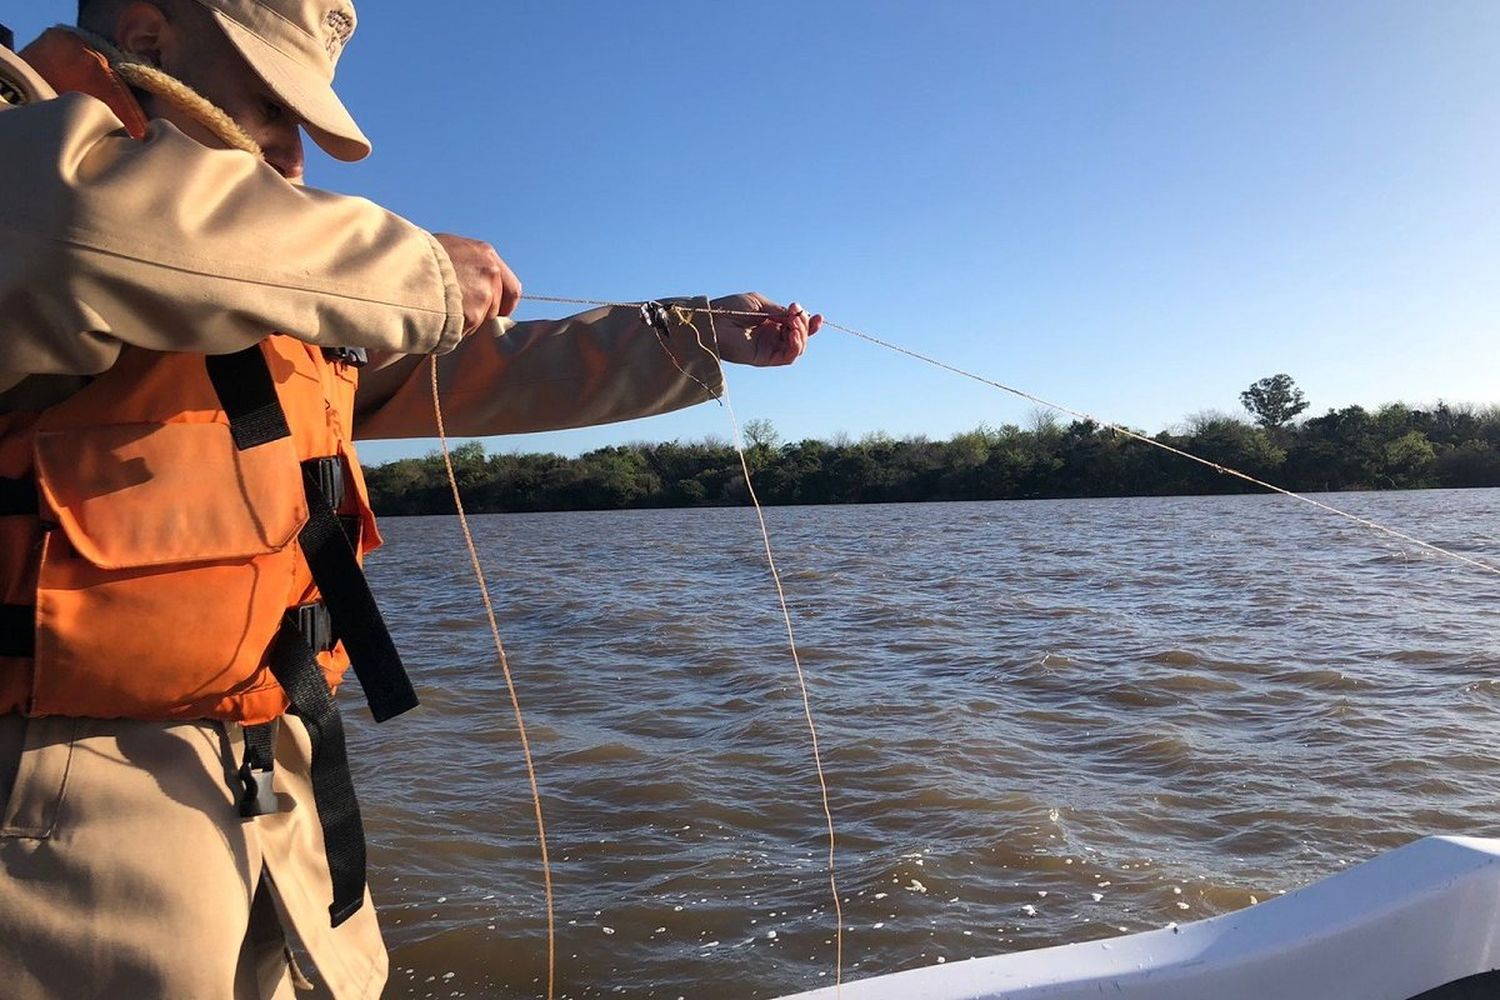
x,y
1082,415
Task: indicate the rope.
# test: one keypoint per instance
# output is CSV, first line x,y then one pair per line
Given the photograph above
x,y
699,310
1137,436
144,76
786,617
510,685
1224,470
684,316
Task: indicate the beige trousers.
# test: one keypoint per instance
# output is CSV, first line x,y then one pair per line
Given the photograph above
x,y
126,871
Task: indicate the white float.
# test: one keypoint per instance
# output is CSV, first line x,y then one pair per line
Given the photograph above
x,y
1415,922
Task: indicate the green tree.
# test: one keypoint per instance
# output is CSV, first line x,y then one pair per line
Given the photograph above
x,y
1274,401
1408,459
1395,446
761,433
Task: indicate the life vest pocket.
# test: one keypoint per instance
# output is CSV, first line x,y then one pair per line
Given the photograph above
x,y
137,495
167,575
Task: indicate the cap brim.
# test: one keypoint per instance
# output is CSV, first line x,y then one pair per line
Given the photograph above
x,y
309,97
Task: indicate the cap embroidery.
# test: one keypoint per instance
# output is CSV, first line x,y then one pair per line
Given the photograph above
x,y
338,26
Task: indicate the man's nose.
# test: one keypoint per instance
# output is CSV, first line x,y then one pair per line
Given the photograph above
x,y
285,154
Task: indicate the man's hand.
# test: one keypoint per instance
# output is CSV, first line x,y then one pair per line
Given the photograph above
x,y
490,288
779,339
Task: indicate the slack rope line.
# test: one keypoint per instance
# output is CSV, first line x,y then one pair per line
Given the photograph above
x,y
791,641
510,684
711,312
1223,470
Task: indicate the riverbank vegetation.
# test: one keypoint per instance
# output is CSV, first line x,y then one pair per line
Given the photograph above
x,y
1393,447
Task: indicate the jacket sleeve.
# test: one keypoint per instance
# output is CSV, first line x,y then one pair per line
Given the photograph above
x,y
106,241
510,378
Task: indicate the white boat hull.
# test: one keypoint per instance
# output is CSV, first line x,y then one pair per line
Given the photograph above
x,y
1422,918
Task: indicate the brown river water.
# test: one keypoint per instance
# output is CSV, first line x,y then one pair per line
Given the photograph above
x,y
1043,722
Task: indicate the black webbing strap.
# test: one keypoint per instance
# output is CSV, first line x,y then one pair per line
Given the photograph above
x,y
247,392
17,630
296,669
356,619
18,496
260,746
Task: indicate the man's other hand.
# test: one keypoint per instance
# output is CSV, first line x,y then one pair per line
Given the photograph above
x,y
778,339
490,288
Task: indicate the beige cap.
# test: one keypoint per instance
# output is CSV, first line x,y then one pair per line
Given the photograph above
x,y
294,45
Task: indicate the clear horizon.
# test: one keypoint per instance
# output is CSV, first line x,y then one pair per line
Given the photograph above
x,y
1135,210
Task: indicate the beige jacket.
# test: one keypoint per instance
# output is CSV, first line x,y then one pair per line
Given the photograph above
x,y
107,242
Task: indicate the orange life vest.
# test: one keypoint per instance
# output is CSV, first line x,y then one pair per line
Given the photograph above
x,y
160,558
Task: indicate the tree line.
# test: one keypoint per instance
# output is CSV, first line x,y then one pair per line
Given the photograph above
x,y
1392,447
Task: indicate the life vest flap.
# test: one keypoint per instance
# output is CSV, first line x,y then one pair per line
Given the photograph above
x,y
131,496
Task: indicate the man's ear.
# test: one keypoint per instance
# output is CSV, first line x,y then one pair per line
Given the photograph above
x,y
142,30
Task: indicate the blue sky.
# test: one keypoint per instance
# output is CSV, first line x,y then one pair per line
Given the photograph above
x,y
1135,208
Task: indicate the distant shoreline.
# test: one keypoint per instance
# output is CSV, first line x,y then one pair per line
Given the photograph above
x,y
450,512
1394,448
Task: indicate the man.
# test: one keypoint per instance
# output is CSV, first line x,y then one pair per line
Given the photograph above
x,y
189,340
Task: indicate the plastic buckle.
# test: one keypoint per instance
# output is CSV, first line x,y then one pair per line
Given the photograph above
x,y
329,473
354,357
257,792
315,624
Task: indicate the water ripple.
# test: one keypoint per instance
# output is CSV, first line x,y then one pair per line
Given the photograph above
x,y
1043,721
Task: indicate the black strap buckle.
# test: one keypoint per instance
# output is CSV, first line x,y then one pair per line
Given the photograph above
x,y
315,624
329,474
257,790
354,357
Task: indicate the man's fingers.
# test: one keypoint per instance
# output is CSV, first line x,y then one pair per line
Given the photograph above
x,y
774,335
510,296
797,343
490,288
497,291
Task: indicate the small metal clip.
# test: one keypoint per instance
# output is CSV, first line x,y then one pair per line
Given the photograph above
x,y
654,315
